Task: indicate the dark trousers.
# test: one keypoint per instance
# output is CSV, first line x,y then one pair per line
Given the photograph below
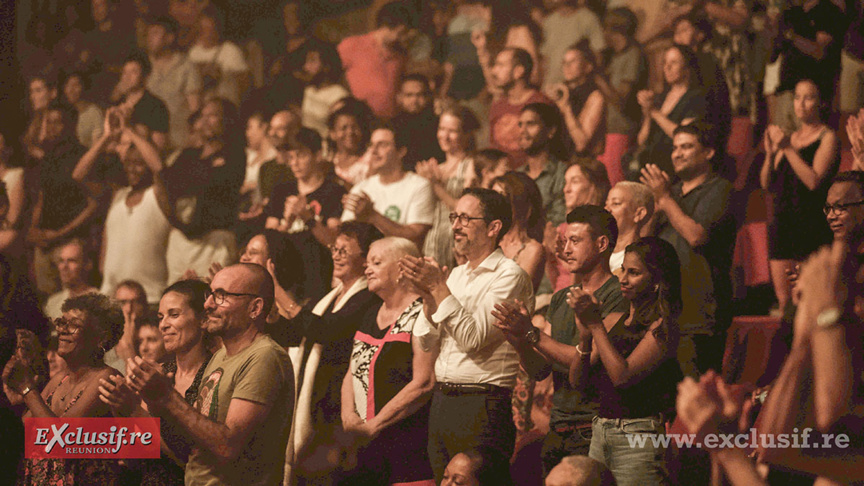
x,y
565,440
461,422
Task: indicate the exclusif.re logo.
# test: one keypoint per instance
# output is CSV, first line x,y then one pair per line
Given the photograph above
x,y
91,438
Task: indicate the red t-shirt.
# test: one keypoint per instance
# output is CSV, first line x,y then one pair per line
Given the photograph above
x,y
504,126
372,72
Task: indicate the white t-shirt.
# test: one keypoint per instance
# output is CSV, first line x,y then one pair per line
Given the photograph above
x,y
616,260
317,103
55,303
229,57
408,201
136,240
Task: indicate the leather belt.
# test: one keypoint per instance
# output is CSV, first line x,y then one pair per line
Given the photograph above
x,y
458,389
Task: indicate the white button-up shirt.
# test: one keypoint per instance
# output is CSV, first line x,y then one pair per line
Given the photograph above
x,y
472,349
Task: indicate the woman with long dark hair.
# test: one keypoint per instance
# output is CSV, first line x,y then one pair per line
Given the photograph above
x,y
631,361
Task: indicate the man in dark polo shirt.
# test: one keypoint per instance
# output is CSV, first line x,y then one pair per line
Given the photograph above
x,y
590,238
694,216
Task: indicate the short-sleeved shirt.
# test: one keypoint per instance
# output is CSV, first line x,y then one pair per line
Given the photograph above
x,y
407,201
212,185
63,198
562,31
551,185
627,66
326,201
172,86
504,126
260,373
568,404
706,284
372,72
468,80
420,130
151,112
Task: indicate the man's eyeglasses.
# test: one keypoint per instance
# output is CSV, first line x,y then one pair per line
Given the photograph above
x,y
463,218
340,252
219,295
69,327
840,208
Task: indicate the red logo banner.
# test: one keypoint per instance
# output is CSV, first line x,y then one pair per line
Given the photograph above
x,y
91,438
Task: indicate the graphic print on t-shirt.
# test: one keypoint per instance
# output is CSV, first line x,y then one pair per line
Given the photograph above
x,y
393,213
207,402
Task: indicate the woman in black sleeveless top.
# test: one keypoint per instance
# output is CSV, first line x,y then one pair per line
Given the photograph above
x,y
581,101
630,360
797,172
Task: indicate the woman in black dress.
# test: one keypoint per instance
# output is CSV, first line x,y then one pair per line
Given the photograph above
x,y
797,171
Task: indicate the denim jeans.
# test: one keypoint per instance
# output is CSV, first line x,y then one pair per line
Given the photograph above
x,y
638,466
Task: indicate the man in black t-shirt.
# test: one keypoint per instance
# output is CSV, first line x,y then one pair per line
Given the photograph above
x,y
417,119
312,202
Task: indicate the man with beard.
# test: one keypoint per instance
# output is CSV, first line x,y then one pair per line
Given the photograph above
x,y
398,203
476,367
540,136
64,206
240,422
417,119
511,73
694,216
589,239
374,62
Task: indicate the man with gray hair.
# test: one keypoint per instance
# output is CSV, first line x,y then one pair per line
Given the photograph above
x,y
241,419
632,206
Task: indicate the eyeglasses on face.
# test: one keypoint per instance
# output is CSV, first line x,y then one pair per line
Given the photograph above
x,y
220,294
68,326
840,208
339,252
463,218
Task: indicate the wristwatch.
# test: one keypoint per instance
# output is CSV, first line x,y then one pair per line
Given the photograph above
x,y
533,336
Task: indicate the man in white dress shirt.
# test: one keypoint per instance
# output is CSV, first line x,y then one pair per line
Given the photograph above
x,y
476,366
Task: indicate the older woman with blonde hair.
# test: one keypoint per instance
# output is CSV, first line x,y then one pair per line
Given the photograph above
x,y
385,394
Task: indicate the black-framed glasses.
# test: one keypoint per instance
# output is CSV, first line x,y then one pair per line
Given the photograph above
x,y
219,295
840,208
66,326
340,252
463,218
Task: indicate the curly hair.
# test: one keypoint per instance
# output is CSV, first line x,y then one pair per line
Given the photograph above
x,y
104,315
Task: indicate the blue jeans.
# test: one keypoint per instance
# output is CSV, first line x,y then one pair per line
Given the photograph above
x,y
638,466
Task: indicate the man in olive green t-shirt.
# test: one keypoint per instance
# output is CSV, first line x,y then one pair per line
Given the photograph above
x,y
240,422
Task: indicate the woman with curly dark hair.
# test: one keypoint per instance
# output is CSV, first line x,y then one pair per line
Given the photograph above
x,y
631,361
91,324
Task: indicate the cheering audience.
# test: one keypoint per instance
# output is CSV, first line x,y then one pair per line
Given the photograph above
x,y
419,208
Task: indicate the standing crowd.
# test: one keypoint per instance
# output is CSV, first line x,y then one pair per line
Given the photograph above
x,y
481,243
